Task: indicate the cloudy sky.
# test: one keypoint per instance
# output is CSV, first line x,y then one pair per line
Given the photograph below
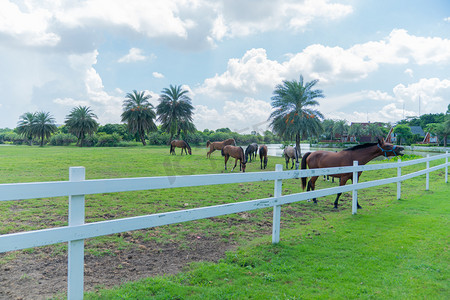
x,y
376,60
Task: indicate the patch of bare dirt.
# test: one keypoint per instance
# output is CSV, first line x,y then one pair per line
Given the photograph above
x,y
41,275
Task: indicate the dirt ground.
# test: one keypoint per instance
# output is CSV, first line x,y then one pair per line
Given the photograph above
x,y
40,275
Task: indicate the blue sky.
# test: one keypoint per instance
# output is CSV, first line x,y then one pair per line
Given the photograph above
x,y
375,59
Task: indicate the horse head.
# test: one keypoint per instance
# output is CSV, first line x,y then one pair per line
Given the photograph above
x,y
388,149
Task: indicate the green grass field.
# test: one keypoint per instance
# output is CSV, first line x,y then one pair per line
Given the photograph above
x,y
391,249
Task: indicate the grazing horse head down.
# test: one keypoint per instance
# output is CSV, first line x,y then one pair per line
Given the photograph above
x,y
213,146
237,153
290,153
251,151
263,155
361,153
180,144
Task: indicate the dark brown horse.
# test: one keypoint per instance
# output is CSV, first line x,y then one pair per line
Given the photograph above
x,y
251,151
180,144
290,153
361,153
237,153
213,146
263,155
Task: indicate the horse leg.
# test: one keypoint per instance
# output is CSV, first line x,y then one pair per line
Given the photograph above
x,y
226,159
287,163
235,163
342,181
312,186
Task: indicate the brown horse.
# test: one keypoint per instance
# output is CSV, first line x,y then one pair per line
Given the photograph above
x,y
361,153
237,153
180,144
290,153
263,155
213,146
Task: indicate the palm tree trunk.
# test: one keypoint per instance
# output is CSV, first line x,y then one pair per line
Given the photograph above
x,y
142,138
297,145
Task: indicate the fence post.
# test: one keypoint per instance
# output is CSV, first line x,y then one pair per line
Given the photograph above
x,y
399,174
75,267
446,167
427,185
277,208
355,191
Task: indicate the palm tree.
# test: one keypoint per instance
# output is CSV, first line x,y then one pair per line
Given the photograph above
x,y
327,126
374,130
138,114
175,111
444,130
43,127
293,115
25,125
340,127
357,130
80,121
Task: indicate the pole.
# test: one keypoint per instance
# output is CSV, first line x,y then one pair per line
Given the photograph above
x,y
75,276
427,185
277,208
355,191
399,174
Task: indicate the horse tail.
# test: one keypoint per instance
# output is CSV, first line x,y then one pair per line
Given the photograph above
x,y
303,167
221,151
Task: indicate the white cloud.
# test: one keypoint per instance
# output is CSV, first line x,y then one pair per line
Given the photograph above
x,y
240,116
30,27
409,72
447,19
255,72
432,93
157,75
134,55
248,75
242,18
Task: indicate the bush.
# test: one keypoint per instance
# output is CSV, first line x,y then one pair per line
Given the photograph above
x,y
90,140
62,139
108,140
156,138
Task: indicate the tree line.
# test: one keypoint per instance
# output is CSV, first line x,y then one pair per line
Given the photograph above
x,y
294,118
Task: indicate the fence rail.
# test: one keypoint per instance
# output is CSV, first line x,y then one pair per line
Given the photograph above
x,y
77,187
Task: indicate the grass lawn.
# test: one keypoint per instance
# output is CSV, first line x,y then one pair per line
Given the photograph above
x,y
391,249
398,252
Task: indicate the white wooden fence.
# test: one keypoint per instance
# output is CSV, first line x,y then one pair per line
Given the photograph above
x,y
77,187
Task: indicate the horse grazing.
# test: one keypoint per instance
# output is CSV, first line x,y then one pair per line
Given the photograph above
x,y
263,155
180,144
251,151
291,153
361,153
213,146
237,153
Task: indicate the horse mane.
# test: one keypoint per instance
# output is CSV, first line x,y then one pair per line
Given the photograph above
x,y
207,143
361,146
187,144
